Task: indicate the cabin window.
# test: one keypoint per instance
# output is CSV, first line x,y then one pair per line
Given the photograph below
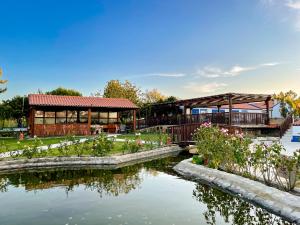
x,y
72,116
39,117
95,117
49,118
83,116
113,117
61,117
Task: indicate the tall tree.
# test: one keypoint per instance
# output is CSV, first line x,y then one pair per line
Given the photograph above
x,y
154,96
2,82
289,101
64,91
117,89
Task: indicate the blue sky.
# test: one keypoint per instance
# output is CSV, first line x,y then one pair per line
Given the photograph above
x,y
183,48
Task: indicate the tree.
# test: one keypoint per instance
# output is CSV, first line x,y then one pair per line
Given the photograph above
x,y
64,91
2,82
154,96
18,106
289,101
117,89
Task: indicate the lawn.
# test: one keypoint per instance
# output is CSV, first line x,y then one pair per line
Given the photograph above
x,y
84,149
11,144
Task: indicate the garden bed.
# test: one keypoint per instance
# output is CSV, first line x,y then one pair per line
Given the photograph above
x,y
87,161
276,201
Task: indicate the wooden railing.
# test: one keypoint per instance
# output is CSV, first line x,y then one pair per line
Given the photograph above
x,y
215,118
285,125
183,134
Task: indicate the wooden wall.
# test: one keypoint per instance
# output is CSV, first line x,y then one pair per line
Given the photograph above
x,y
41,130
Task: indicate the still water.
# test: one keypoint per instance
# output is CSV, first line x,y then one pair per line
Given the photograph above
x,y
146,193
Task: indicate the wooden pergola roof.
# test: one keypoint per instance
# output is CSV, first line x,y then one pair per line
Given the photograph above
x,y
223,99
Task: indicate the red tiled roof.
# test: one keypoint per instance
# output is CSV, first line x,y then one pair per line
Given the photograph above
x,y
78,101
297,123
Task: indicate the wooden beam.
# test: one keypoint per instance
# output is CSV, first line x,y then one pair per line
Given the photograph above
x,y
268,111
89,120
230,110
134,120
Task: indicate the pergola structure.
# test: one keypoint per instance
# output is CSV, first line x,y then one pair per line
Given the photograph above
x,y
52,115
178,112
226,99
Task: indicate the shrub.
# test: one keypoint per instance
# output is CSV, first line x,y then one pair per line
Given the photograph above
x,y
231,152
101,145
198,160
32,150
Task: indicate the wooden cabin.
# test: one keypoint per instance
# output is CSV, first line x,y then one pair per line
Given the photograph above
x,y
53,115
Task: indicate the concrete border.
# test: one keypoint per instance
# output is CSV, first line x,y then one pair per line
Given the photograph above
x,y
278,202
107,162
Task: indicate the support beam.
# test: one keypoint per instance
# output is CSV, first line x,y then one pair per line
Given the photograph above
x,y
134,120
219,107
268,111
31,121
230,110
89,121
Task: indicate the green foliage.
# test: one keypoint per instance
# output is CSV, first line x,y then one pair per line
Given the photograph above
x,y
131,146
117,89
197,159
64,148
277,168
64,91
101,145
15,108
32,150
288,101
231,152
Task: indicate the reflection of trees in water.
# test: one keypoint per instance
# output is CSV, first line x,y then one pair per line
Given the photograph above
x,y
233,209
110,182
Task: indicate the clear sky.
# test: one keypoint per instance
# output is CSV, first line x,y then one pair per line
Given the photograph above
x,y
186,48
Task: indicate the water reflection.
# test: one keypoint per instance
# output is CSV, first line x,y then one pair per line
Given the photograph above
x,y
232,209
159,195
108,182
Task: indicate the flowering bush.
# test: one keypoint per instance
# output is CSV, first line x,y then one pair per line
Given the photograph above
x,y
219,148
32,150
101,145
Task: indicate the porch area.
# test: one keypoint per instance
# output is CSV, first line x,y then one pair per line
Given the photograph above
x,y
179,112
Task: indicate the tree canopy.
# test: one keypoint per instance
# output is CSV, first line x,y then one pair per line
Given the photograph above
x,y
2,82
154,96
64,91
117,89
15,108
289,101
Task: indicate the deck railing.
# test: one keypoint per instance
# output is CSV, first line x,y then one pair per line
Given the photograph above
x,y
215,118
183,134
285,125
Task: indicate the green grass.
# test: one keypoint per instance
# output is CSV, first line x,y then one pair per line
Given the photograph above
x,y
14,144
143,136
11,144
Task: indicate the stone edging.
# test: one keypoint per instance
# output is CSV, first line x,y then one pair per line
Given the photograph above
x,y
87,161
278,202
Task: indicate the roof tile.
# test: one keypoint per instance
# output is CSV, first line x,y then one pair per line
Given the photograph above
x,y
79,101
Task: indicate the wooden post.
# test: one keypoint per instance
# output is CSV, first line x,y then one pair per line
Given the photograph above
x,y
230,110
89,121
134,120
31,121
219,107
268,111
